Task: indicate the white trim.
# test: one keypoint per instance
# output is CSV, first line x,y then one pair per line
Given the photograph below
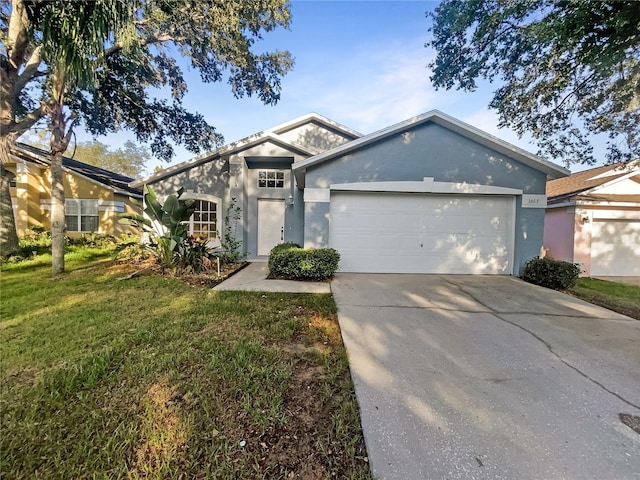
x,y
103,205
512,238
79,215
608,204
191,195
425,186
117,207
632,173
317,195
617,170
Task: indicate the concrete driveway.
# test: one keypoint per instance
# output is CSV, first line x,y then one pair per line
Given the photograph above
x,y
464,377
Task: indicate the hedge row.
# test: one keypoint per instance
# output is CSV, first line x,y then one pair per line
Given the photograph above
x,y
289,260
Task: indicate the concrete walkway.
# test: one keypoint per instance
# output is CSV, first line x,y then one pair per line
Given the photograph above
x,y
254,278
488,377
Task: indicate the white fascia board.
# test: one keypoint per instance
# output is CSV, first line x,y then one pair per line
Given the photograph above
x,y
243,144
595,203
551,169
634,171
425,186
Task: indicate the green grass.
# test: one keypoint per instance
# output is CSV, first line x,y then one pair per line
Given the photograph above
x,y
154,378
618,297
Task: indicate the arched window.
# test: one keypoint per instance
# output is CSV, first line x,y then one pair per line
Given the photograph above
x,y
204,222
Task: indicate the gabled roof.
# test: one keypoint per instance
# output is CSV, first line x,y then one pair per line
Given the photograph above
x,y
111,180
588,180
272,134
551,169
315,117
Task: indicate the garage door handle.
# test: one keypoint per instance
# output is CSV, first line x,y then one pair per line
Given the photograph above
x,y
282,234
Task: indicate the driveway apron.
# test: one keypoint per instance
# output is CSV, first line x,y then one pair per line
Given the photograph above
x,y
464,377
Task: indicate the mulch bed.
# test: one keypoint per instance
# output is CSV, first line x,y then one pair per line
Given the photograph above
x,y
203,279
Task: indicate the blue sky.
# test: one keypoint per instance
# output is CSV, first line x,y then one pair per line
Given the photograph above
x,y
360,63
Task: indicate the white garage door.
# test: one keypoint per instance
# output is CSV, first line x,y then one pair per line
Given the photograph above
x,y
419,233
615,247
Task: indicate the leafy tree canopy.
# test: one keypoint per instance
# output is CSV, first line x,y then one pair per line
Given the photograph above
x,y
139,62
129,160
567,69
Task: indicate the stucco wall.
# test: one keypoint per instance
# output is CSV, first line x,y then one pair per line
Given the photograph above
x,y
32,200
316,136
210,178
229,177
430,150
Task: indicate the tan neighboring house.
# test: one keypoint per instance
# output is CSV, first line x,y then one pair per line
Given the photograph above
x,y
93,196
593,218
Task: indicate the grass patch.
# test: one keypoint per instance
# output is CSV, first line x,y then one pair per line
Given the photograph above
x,y
624,299
155,378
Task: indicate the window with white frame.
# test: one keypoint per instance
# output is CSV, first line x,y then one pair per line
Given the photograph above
x,y
270,179
81,215
204,221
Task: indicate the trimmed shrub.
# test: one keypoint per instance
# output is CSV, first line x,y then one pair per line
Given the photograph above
x,y
554,274
289,260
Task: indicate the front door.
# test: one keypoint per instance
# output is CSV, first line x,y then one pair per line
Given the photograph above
x,y
270,224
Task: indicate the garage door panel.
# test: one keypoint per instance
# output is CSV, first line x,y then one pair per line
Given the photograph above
x,y
615,247
417,233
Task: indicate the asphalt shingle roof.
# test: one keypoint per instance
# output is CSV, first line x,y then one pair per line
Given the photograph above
x,y
579,182
105,177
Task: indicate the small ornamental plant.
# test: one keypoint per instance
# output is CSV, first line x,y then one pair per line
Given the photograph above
x,y
291,261
549,273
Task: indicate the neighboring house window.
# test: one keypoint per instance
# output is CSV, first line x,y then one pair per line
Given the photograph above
x,y
204,220
13,182
270,179
81,215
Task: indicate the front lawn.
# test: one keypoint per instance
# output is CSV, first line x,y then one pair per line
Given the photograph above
x,y
620,298
154,378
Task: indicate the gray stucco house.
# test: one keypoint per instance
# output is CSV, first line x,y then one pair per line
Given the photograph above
x,y
427,195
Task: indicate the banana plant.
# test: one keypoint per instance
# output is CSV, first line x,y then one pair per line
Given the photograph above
x,y
163,223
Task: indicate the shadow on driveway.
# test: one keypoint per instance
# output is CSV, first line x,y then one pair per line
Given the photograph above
x,y
489,377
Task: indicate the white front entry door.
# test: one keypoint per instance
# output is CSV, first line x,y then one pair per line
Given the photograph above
x,y
270,224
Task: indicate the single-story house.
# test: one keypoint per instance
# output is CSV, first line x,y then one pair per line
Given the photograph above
x,y
593,218
430,194
93,196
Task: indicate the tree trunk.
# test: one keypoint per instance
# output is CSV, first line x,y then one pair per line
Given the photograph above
x,y
57,214
8,235
58,147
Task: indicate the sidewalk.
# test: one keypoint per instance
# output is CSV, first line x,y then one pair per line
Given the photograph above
x,y
254,278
